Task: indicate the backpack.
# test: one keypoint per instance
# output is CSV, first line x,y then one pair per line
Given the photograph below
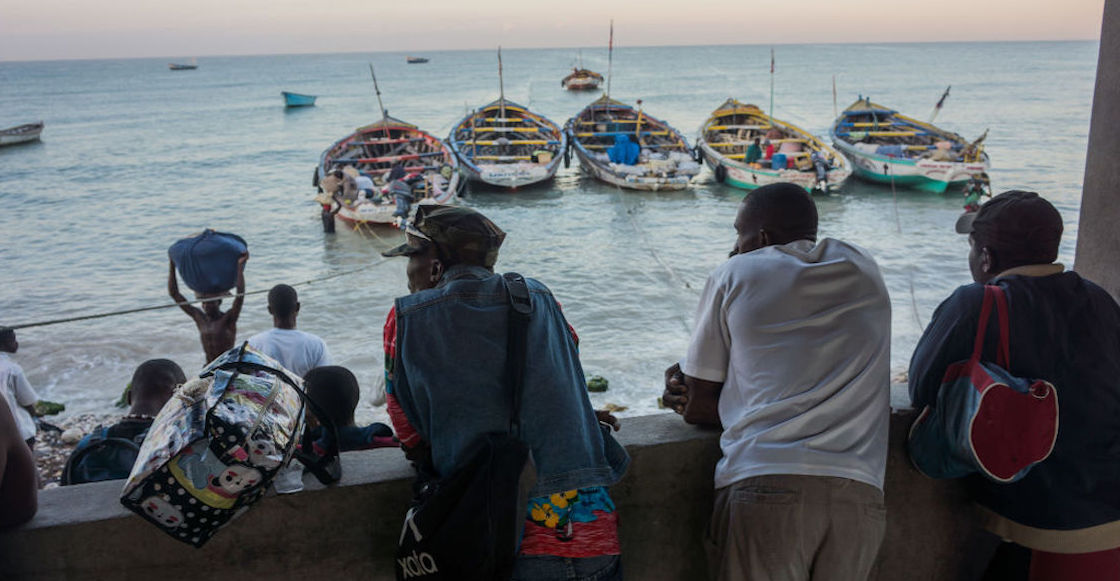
x,y
102,457
467,525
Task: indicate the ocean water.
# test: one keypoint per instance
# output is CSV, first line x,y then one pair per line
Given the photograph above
x,y
134,157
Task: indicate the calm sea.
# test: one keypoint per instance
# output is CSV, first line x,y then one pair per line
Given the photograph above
x,y
135,156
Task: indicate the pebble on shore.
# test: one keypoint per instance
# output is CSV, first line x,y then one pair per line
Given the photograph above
x,y
53,448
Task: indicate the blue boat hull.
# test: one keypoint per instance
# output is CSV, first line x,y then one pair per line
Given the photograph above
x,y
298,100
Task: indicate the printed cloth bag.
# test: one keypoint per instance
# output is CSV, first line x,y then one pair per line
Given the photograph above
x,y
986,420
216,445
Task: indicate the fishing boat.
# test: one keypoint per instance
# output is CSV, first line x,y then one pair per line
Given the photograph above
x,y
372,151
885,146
506,145
183,66
582,79
626,147
298,100
21,133
415,60
799,156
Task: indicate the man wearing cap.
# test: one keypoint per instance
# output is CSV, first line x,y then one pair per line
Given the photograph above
x,y
445,356
790,354
1063,329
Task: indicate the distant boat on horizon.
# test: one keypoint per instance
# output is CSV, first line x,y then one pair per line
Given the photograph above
x,y
183,66
298,99
413,60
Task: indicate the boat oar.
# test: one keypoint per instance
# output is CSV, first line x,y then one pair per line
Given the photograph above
x,y
940,102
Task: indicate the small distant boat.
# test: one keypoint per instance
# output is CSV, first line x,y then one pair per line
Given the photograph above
x,y
885,146
733,127
660,159
372,151
505,144
298,100
414,60
21,133
183,66
582,80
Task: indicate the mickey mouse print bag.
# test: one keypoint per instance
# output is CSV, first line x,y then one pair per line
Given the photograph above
x,y
217,444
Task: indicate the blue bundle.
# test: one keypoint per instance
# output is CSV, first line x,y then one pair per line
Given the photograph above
x,y
207,262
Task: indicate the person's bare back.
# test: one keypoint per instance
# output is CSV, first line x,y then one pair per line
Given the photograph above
x,y
216,330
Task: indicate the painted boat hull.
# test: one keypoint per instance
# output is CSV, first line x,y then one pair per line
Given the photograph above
x,y
298,100
926,175
21,134
520,123
181,67
651,179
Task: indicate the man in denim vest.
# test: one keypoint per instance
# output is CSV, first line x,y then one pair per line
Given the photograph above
x,y
445,355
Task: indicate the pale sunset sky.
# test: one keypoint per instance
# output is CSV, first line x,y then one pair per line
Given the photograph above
x,y
74,29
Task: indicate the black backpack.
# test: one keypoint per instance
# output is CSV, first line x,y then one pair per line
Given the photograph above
x,y
104,457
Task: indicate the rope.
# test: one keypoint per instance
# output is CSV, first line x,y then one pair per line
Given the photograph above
x,y
170,305
909,273
656,257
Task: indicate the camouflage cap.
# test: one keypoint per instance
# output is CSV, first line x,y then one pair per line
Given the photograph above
x,y
459,232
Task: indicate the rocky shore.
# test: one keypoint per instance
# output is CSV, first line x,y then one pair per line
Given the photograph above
x,y
52,448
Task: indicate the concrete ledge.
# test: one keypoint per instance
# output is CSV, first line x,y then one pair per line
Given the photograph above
x,y
350,530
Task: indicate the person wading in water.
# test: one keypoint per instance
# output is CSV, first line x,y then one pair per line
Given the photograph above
x,y
217,330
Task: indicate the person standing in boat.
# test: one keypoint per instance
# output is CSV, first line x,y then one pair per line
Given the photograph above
x,y
754,152
217,330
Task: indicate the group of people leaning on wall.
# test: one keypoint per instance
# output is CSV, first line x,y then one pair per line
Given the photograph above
x,y
790,357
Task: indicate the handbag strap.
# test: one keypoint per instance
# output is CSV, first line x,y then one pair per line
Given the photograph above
x,y
520,308
994,294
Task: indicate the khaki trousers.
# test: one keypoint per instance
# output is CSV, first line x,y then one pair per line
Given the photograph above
x,y
795,528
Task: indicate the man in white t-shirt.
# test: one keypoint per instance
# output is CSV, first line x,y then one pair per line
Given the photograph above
x,y
791,355
297,351
16,389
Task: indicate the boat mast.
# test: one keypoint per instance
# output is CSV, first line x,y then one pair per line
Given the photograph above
x,y
610,60
384,117
771,86
501,88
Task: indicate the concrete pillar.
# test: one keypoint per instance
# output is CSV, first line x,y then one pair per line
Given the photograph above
x,y
1098,241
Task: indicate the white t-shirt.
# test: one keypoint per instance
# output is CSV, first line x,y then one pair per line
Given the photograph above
x,y
17,391
297,351
799,335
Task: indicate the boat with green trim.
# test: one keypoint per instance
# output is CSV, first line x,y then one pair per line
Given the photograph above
x,y
887,147
726,141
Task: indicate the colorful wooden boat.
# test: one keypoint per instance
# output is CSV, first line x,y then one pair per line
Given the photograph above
x,y
800,157
665,162
582,80
21,133
887,147
373,150
506,145
415,60
298,100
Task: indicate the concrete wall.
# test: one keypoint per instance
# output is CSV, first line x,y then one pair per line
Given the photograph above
x,y
1098,242
349,531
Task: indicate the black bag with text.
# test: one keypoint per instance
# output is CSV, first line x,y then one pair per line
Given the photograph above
x,y
467,526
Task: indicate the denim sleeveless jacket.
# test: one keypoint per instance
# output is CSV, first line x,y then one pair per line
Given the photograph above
x,y
449,378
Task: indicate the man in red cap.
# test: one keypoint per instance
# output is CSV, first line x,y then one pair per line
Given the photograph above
x,y
1063,329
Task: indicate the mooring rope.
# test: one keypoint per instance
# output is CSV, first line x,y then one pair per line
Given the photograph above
x,y
909,272
199,301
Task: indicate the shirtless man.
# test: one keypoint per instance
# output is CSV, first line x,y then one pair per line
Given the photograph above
x,y
217,330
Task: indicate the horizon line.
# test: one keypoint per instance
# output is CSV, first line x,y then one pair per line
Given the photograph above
x,y
242,55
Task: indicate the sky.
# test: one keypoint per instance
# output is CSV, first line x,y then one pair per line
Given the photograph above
x,y
76,29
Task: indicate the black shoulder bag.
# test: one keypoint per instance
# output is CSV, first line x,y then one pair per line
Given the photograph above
x,y
467,525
